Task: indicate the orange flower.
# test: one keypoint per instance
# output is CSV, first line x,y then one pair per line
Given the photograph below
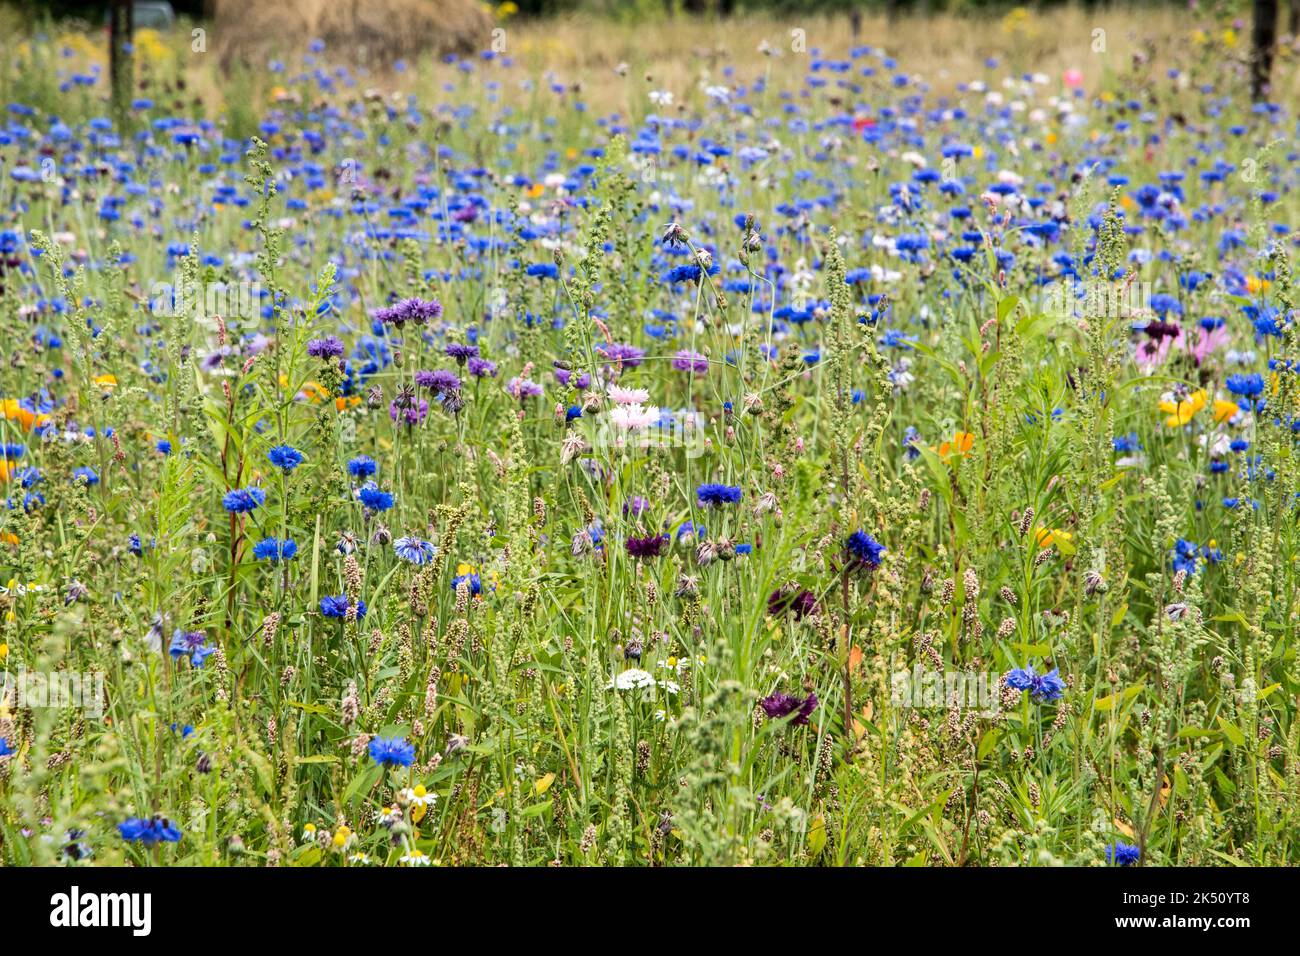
x,y
10,409
961,443
1050,536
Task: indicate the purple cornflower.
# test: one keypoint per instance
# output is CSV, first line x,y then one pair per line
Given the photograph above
x,y
439,381
650,547
417,311
482,368
329,347
461,353
629,356
565,376
407,408
687,361
799,603
781,705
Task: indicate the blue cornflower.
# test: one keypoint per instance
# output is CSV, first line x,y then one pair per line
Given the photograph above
x,y
149,832
373,498
1041,687
1247,385
1187,557
163,446
363,466
243,499
472,580
5,749
1122,854
88,474
1126,443
272,549
543,270
865,549
414,550
715,494
392,751
336,605
192,643
285,457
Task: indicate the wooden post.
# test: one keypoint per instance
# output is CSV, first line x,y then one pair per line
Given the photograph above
x,y
1263,38
121,69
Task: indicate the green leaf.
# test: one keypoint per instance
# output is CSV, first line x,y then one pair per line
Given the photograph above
x,y
1232,732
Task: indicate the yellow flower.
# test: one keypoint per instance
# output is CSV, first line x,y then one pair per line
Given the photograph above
x,y
342,836
1180,413
1050,536
4,651
106,382
1224,410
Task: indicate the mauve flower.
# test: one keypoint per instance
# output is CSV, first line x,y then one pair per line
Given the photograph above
x,y
482,368
627,355
687,361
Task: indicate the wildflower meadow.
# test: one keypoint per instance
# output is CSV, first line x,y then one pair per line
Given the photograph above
x,y
763,442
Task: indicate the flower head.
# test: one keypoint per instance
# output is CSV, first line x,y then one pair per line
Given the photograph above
x,y
392,751
780,705
1122,854
285,457
864,549
243,499
1042,687
414,550
273,549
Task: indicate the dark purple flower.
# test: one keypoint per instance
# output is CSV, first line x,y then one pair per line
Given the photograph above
x,y
779,705
650,547
799,603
